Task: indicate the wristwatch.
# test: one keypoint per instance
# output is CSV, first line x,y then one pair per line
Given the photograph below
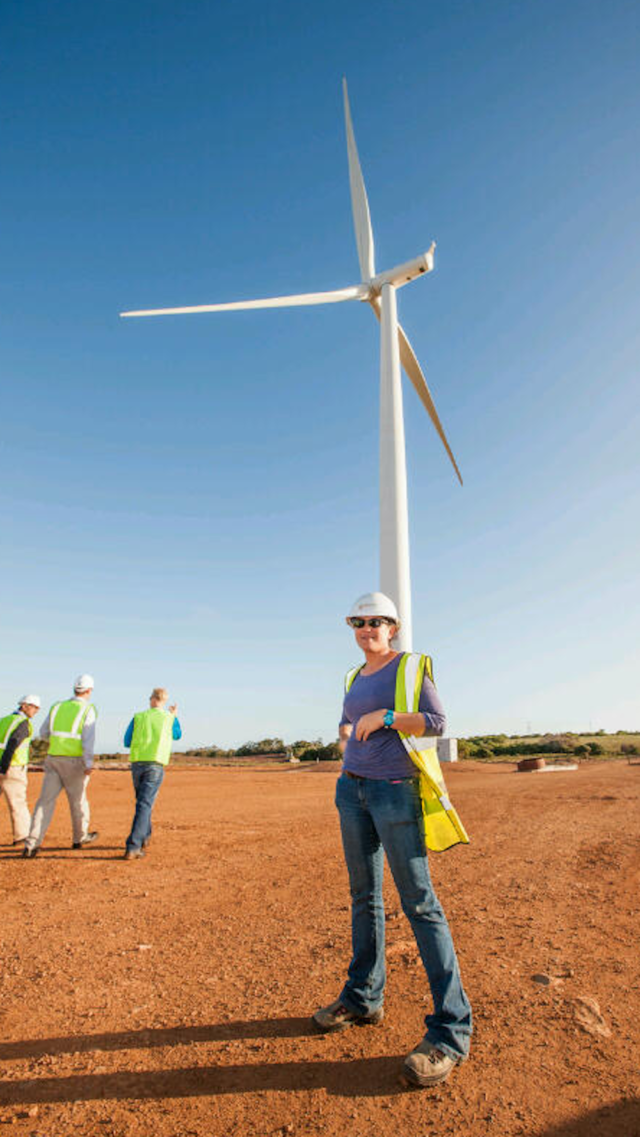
x,y
389,717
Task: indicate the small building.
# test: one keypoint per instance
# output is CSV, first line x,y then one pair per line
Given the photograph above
x,y
447,749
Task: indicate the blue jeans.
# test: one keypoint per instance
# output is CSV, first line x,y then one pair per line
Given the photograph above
x,y
147,779
378,817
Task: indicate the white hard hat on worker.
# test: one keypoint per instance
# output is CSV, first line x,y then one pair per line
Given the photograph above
x,y
32,700
374,604
84,683
30,704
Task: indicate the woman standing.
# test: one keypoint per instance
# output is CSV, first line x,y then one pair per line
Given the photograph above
x,y
391,799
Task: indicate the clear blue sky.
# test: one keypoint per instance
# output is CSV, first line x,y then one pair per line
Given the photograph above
x,y
193,502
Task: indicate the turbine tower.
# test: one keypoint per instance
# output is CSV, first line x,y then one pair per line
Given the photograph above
x,y
379,289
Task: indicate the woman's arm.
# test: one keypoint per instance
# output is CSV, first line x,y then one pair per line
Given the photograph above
x,y
429,720
344,734
406,723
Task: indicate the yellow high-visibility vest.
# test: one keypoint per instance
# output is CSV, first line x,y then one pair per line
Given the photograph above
x,y
7,726
442,826
152,736
66,721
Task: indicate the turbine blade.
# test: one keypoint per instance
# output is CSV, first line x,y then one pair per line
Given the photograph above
x,y
413,369
359,203
356,292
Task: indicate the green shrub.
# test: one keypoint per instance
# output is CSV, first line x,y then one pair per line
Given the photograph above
x,y
264,746
330,753
482,752
303,744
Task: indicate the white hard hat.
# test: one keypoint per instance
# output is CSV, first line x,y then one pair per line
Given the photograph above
x,y
374,604
33,700
84,683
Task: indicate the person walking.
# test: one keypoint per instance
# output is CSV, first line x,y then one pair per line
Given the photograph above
x,y
70,728
149,736
391,799
16,732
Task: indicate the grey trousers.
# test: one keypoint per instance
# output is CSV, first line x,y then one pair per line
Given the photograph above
x,y
14,788
61,774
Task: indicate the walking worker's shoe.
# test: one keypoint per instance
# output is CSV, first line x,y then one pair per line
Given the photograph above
x,y
28,854
337,1017
427,1066
88,840
132,854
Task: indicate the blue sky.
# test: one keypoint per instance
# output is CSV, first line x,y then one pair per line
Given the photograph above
x,y
193,501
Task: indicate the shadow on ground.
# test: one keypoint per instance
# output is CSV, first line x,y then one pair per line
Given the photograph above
x,y
619,1120
160,1036
355,1078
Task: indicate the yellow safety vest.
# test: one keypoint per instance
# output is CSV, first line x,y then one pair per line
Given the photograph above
x,y
66,721
7,726
442,827
152,736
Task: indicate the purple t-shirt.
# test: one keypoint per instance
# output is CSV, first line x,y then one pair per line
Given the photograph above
x,y
383,754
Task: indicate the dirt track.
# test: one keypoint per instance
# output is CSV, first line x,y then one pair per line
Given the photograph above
x,y
171,996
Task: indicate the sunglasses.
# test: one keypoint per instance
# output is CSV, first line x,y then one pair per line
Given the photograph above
x,y
375,622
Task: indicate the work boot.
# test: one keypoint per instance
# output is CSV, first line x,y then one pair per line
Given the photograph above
x,y
28,853
88,840
427,1066
337,1017
132,854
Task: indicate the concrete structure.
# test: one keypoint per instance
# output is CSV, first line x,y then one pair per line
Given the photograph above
x,y
448,749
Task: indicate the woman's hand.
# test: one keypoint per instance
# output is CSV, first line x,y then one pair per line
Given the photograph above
x,y
368,723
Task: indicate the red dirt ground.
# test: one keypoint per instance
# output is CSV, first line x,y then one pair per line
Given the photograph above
x,y
170,996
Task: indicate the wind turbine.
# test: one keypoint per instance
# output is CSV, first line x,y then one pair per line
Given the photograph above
x,y
379,289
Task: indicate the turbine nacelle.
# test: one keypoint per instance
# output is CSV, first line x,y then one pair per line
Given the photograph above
x,y
404,273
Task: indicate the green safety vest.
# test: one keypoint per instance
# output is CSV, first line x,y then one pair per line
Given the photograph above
x,y
442,826
152,736
7,726
66,721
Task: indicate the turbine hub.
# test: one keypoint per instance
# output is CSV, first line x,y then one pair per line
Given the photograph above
x,y
406,272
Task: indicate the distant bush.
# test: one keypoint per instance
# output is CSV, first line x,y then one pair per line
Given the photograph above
x,y
264,746
528,749
482,752
330,753
209,752
300,747
487,739
578,744
38,750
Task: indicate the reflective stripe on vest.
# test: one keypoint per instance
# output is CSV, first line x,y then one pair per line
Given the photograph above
x,y
152,736
7,726
442,825
66,721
